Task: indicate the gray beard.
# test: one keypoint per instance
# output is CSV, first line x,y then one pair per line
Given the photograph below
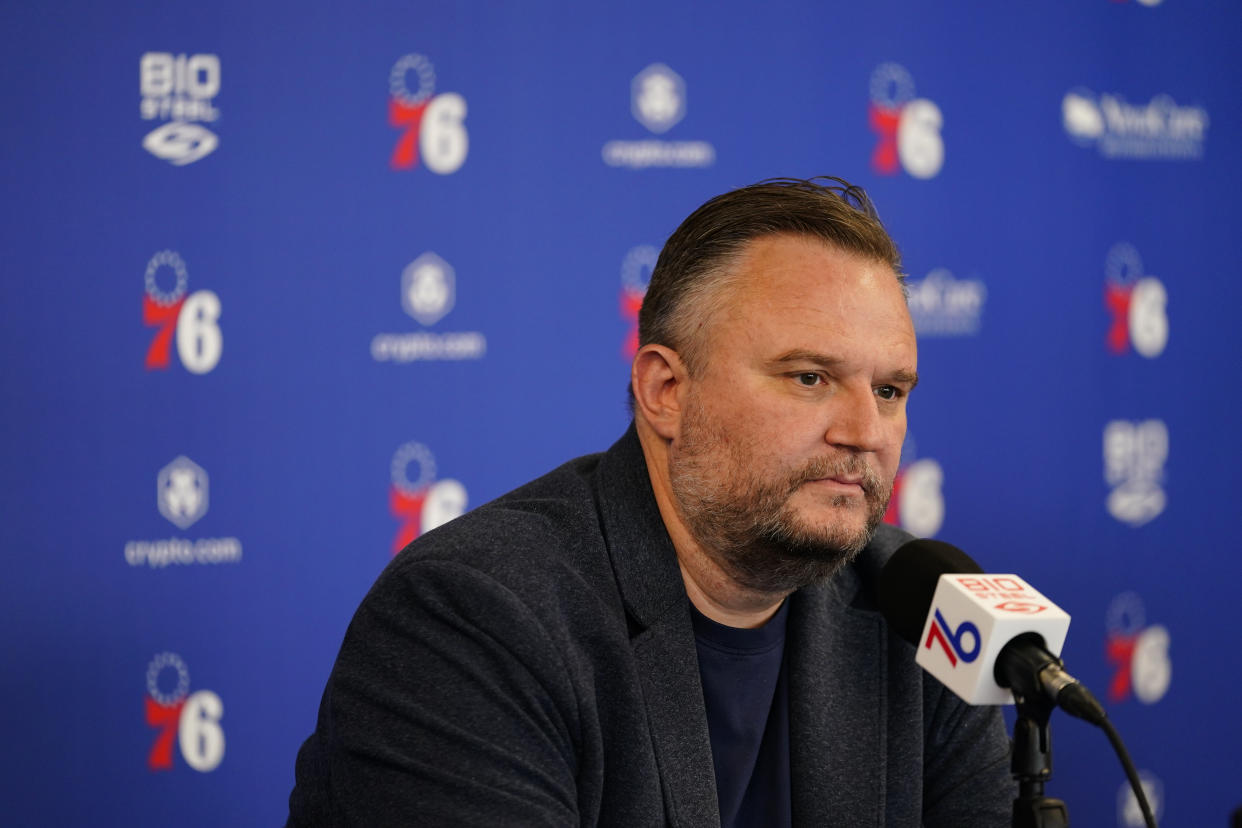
x,y
744,522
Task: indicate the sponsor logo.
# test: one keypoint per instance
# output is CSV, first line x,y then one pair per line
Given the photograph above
x,y
419,502
432,126
182,492
1139,652
951,640
907,128
943,306
428,293
917,502
193,318
1158,129
182,497
1137,304
179,89
1134,456
192,720
1129,814
1013,595
658,102
635,275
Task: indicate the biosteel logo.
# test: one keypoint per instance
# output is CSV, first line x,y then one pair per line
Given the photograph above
x,y
181,90
1135,452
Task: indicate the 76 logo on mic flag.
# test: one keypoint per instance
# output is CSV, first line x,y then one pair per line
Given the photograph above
x,y
972,618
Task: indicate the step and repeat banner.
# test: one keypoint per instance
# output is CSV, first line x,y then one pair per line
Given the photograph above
x,y
289,284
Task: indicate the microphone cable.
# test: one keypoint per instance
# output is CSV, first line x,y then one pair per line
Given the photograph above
x,y
1131,772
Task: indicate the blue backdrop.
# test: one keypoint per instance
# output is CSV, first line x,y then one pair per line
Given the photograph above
x,y
287,284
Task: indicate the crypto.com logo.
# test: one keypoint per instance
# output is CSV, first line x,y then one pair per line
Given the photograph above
x,y
908,127
431,124
428,288
194,318
421,503
658,98
658,102
181,492
182,495
180,89
1137,304
192,718
635,275
1139,652
428,293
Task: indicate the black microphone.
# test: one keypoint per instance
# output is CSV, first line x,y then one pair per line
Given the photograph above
x,y
1022,662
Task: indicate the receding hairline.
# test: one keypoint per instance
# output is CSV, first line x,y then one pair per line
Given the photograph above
x,y
701,304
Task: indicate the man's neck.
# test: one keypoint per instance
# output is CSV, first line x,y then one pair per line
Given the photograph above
x,y
710,588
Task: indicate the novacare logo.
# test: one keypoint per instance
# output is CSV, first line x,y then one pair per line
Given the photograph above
x,y
1159,129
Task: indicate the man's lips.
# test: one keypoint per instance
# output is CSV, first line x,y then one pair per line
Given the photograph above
x,y
843,484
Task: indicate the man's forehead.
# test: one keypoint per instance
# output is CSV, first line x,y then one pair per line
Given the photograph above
x,y
798,273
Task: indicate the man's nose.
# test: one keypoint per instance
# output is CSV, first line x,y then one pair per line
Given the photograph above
x,y
856,422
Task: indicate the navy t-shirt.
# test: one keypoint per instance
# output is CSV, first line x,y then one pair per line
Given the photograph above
x,y
744,688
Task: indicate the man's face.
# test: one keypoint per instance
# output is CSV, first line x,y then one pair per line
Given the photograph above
x,y
791,432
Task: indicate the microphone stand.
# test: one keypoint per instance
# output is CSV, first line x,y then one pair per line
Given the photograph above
x,y
1032,767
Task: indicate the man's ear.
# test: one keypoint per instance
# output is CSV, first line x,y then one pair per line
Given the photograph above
x,y
659,380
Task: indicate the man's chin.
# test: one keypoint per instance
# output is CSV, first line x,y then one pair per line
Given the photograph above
x,y
846,527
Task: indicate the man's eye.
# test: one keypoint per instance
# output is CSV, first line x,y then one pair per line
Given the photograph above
x,y
808,379
888,392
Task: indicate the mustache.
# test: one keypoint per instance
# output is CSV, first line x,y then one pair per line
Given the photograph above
x,y
850,465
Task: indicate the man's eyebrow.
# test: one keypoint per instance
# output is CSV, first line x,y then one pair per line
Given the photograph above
x,y
828,361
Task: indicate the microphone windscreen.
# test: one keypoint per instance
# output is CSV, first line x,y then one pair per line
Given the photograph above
x,y
908,583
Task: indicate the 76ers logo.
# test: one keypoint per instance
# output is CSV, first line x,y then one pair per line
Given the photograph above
x,y
908,127
193,318
954,641
1136,303
917,501
635,275
430,123
1139,652
192,718
421,503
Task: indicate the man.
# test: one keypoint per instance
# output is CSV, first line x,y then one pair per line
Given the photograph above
x,y
683,629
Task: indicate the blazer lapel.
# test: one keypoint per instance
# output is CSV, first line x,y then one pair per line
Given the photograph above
x,y
669,669
837,708
649,580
